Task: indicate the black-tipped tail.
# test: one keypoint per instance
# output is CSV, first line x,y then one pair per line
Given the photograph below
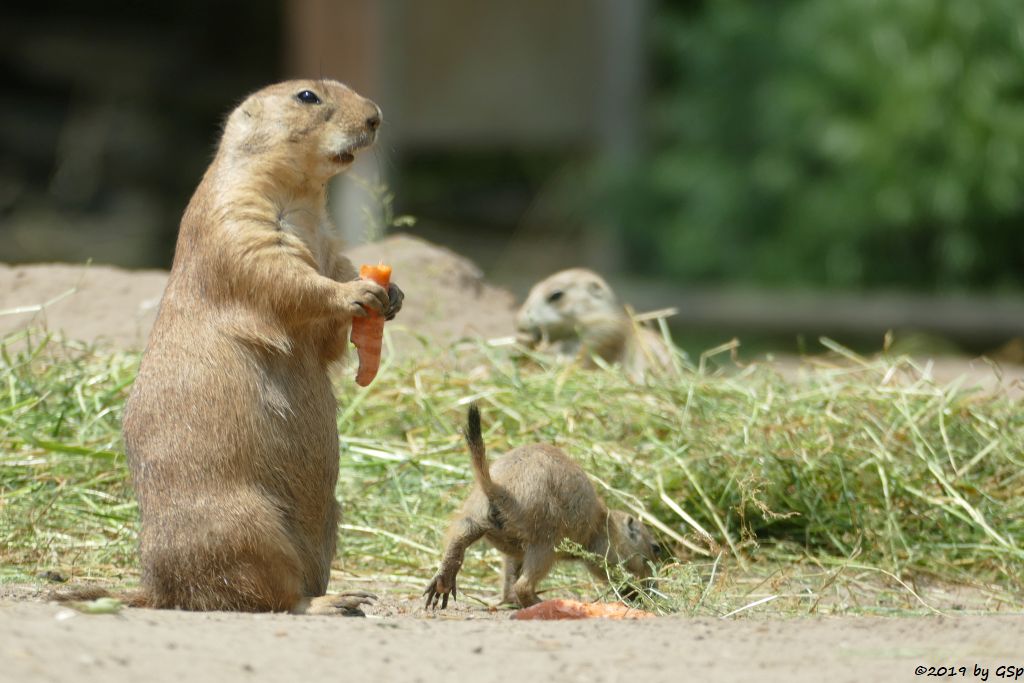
x,y
475,442
473,433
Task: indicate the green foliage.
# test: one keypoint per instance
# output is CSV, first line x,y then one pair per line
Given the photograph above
x,y
846,143
64,494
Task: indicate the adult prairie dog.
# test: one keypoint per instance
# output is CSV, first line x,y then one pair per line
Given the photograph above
x,y
574,313
524,504
230,428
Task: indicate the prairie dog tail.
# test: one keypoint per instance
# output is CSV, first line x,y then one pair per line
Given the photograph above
x,y
131,598
475,441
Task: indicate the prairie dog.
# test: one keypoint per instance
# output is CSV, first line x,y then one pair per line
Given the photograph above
x,y
230,429
524,504
575,313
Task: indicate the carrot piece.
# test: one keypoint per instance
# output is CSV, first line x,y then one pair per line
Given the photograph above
x,y
573,609
368,331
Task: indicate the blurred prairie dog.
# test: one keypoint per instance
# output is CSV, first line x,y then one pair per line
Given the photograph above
x,y
574,313
230,429
524,504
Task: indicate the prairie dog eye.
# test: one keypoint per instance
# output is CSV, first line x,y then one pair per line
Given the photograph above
x,y
555,296
307,97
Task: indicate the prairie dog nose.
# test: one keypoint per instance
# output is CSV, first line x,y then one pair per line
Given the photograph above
x,y
373,120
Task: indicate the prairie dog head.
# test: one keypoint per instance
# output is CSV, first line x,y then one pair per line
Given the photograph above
x,y
313,127
562,305
631,543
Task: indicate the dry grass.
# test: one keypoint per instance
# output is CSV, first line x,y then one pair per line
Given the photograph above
x,y
857,487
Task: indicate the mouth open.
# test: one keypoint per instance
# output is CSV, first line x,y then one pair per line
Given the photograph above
x,y
348,154
529,337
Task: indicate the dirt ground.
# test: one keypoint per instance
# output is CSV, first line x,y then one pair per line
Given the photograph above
x,y
44,642
446,299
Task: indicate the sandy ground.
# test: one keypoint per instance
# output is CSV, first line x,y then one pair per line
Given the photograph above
x,y
45,642
447,299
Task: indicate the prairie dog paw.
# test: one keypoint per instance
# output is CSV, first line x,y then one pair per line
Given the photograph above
x,y
360,297
346,604
395,297
440,589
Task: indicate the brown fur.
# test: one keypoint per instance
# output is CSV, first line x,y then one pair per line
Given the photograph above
x,y
575,314
524,505
230,428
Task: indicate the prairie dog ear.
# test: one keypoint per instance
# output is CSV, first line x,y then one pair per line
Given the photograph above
x,y
248,114
252,110
244,127
601,290
633,528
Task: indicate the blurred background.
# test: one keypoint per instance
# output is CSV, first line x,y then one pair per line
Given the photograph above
x,y
776,170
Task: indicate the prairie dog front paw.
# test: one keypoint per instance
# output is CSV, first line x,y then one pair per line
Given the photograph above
x,y
395,298
359,297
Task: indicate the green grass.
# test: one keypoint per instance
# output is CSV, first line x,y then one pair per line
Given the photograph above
x,y
857,487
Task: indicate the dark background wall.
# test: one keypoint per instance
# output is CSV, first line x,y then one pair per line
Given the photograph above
x,y
108,116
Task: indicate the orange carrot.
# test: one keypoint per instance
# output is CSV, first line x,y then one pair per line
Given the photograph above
x,y
573,609
368,332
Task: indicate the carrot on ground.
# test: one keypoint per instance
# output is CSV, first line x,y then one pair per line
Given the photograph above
x,y
368,331
573,609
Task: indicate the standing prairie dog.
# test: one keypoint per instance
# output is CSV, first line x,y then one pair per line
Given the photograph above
x,y
524,504
230,429
574,313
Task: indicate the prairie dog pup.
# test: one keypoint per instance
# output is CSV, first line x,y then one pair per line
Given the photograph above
x,y
524,504
575,313
230,428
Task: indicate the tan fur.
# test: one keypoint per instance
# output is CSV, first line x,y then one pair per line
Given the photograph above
x,y
230,428
525,504
575,314
85,593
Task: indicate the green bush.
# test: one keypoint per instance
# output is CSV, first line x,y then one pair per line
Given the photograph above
x,y
846,143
